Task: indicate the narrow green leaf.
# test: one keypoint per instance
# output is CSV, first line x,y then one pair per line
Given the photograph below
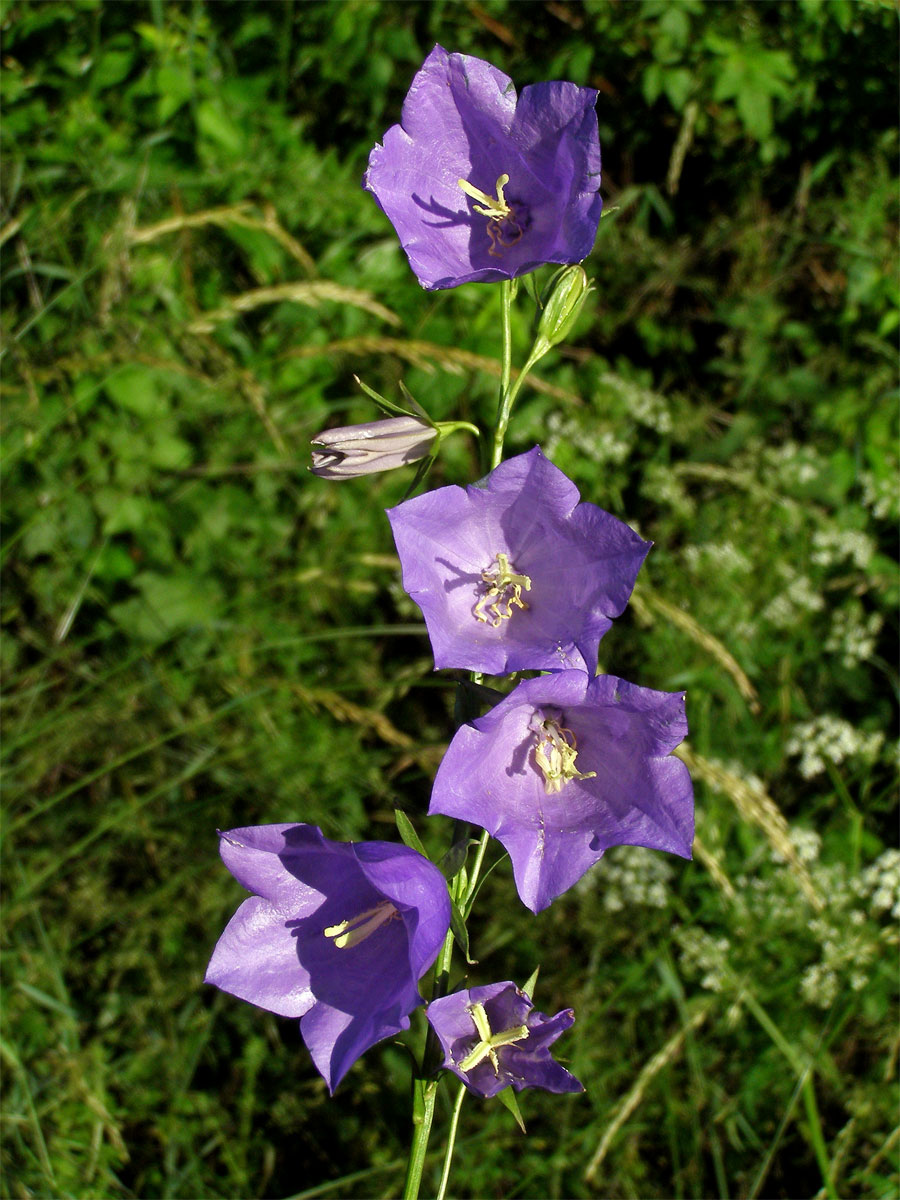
x,y
424,467
508,1099
454,859
407,832
531,983
460,933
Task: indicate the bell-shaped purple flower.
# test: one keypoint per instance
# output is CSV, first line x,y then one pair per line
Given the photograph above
x,y
565,767
352,450
482,185
337,934
492,1038
513,573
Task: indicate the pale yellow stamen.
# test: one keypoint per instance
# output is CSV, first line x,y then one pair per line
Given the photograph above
x,y
494,207
503,594
555,754
489,1043
357,929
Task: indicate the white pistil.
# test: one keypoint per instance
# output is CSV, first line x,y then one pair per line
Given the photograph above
x,y
503,594
357,929
555,752
489,1043
495,208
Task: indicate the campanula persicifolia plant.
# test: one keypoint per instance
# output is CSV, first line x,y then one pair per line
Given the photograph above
x,y
514,574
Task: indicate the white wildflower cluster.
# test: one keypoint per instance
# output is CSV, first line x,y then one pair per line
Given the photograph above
x,y
854,635
775,896
733,767
819,985
602,448
807,846
881,496
662,485
723,558
880,884
832,546
629,877
705,956
848,951
792,465
830,739
798,598
643,406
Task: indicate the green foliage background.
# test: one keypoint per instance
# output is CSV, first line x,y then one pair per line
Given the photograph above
x,y
197,634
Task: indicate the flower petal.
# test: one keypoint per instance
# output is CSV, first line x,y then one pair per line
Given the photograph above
x,y
256,959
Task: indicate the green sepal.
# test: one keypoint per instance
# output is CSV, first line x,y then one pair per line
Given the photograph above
x,y
471,698
415,406
460,933
508,1099
530,284
421,1088
413,409
407,832
454,859
531,983
423,468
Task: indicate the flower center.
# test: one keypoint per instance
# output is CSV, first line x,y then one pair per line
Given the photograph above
x,y
555,752
357,929
503,594
505,225
497,209
489,1043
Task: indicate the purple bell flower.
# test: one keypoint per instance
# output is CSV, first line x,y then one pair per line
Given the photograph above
x,y
337,934
513,573
565,767
353,450
482,185
492,1038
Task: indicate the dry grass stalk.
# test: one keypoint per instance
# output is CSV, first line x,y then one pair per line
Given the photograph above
x,y
230,215
757,807
425,757
739,479
425,355
627,1106
10,229
839,1148
311,294
714,867
345,710
647,602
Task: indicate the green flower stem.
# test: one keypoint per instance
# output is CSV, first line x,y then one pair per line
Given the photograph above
x,y
447,427
425,1087
469,898
451,1142
805,1074
816,1136
509,390
505,404
506,303
424,1096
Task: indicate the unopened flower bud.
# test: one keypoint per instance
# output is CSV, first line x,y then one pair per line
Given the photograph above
x,y
366,449
562,309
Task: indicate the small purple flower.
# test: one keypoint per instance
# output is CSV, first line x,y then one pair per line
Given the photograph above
x,y
337,934
565,767
493,1038
513,573
482,185
353,450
